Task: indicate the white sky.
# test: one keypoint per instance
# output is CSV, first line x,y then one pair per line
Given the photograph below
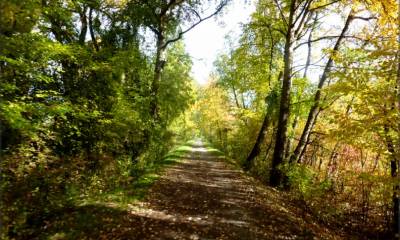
x,y
205,41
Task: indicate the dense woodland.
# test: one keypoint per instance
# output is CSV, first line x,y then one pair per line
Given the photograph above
x,y
95,92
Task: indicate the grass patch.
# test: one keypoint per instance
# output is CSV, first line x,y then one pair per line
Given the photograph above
x,y
122,196
214,151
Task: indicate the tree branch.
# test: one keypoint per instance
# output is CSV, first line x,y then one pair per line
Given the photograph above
x,y
181,33
281,13
269,27
155,31
325,5
365,18
327,38
303,13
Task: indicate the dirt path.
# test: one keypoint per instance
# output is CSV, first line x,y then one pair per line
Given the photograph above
x,y
203,197
200,197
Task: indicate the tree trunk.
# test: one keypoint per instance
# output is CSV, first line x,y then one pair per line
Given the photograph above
x,y
312,115
159,65
395,163
84,26
299,160
276,176
256,148
235,96
289,142
268,150
308,61
243,102
394,174
91,30
270,101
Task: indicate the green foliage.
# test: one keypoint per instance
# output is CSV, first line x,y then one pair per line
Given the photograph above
x,y
176,91
302,179
75,118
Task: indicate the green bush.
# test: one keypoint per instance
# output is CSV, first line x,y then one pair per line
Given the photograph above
x,y
302,179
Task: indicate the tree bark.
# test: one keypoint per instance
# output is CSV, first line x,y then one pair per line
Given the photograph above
x,y
308,61
243,102
256,148
270,101
235,96
395,163
289,142
84,26
312,115
91,30
276,176
159,65
394,173
299,160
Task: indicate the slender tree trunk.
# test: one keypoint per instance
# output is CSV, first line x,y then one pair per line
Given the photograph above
x,y
84,26
299,160
276,176
376,162
256,148
91,30
268,150
394,173
289,142
159,65
312,115
332,161
235,96
308,61
396,164
271,58
270,101
263,130
243,102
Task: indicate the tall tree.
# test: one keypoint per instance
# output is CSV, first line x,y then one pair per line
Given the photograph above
x,y
312,115
169,20
296,17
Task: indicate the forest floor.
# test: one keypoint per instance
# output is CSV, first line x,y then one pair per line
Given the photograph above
x,y
202,196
